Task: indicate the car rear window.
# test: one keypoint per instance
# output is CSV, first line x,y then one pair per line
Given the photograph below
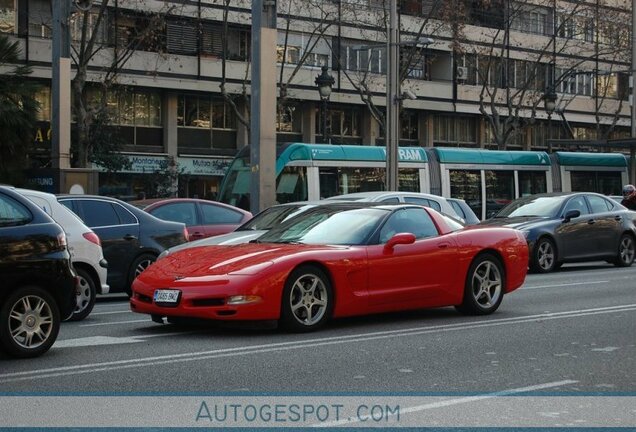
x,y
99,213
220,215
12,212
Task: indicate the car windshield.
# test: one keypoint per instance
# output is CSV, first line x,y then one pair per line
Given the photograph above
x,y
328,225
542,206
269,218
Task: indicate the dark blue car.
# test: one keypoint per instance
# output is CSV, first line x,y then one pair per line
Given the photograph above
x,y
571,227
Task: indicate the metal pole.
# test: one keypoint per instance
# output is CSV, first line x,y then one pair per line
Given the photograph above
x,y
632,150
550,132
324,120
392,100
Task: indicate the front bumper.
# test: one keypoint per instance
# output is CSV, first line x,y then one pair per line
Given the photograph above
x,y
205,302
102,273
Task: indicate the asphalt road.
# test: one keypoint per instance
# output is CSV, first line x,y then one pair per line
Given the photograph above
x,y
571,331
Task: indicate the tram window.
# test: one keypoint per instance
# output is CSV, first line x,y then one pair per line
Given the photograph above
x,y
466,184
532,182
409,180
500,190
291,185
606,183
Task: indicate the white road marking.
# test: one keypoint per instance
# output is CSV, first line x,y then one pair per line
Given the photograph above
x,y
110,313
457,401
95,341
606,349
115,323
291,345
524,287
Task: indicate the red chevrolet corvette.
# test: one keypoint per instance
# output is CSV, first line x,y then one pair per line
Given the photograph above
x,y
339,260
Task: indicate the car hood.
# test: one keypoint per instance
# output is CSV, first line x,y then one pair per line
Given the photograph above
x,y
221,260
521,222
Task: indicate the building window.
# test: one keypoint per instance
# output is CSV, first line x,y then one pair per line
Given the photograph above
x,y
289,120
43,97
138,32
343,122
455,130
532,19
132,107
223,116
355,56
202,112
408,125
291,54
77,23
7,16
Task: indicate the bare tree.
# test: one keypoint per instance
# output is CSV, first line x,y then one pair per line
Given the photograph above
x,y
511,90
105,38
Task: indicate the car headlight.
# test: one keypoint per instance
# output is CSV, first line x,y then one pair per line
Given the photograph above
x,y
243,299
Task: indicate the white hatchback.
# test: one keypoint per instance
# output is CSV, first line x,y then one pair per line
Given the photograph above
x,y
85,249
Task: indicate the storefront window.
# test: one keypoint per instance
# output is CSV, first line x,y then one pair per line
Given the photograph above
x,y
466,185
532,182
7,16
500,190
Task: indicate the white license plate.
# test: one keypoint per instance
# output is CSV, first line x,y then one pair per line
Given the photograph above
x,y
166,296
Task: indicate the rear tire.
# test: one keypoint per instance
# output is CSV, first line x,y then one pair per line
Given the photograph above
x,y
85,295
29,322
307,301
140,264
484,287
626,251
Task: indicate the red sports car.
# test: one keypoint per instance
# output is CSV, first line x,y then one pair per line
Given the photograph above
x,y
339,260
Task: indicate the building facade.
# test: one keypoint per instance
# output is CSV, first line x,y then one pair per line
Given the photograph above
x,y
479,72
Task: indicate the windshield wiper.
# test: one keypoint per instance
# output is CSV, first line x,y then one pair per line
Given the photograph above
x,y
254,241
289,242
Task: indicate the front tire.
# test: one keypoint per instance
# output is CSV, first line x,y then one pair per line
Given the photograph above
x,y
544,256
307,301
29,322
626,251
85,295
141,263
484,287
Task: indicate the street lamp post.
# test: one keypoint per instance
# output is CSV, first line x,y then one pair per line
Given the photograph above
x,y
549,100
324,81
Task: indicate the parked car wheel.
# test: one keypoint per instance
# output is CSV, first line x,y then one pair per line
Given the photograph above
x,y
141,263
626,251
544,256
29,322
86,293
307,299
484,287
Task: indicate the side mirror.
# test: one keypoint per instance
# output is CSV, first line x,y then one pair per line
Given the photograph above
x,y
399,239
571,214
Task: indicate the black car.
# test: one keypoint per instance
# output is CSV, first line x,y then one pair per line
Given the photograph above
x,y
38,282
571,227
131,238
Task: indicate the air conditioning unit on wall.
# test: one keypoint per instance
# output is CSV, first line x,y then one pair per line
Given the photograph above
x,y
462,73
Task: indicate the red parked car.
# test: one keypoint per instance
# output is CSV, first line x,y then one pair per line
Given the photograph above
x,y
339,260
203,218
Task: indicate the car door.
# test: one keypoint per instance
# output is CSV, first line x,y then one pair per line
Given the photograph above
x,y
182,211
119,236
608,225
418,274
15,240
576,237
219,219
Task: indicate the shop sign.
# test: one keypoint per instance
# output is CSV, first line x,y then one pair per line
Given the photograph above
x,y
204,166
143,164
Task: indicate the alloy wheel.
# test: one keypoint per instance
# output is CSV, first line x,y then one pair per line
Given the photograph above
x,y
30,321
626,250
308,299
142,265
83,294
486,284
545,256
